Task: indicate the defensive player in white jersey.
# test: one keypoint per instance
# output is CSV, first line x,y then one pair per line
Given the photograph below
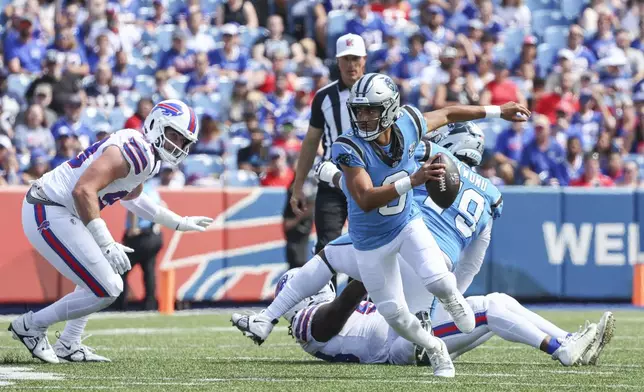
x,y
61,218
347,329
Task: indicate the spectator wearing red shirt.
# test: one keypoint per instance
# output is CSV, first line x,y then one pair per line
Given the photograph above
x,y
592,176
278,173
501,90
143,108
548,103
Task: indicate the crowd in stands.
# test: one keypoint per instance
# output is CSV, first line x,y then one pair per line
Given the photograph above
x,y
73,71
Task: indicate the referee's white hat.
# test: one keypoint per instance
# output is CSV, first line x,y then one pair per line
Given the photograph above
x,y
350,45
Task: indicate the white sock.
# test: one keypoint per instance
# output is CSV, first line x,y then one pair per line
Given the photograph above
x,y
74,305
511,326
74,329
308,281
544,325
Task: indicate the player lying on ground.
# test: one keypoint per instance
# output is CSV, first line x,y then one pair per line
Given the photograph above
x,y
61,218
347,329
465,141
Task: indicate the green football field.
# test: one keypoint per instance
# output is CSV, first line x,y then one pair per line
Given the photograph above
x,y
202,352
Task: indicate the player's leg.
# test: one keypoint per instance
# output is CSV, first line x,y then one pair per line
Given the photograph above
x,y
307,282
420,250
66,243
605,329
380,274
513,327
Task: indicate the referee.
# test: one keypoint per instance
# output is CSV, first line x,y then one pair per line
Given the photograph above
x,y
329,117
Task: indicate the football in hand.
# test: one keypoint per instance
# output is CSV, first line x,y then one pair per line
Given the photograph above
x,y
444,191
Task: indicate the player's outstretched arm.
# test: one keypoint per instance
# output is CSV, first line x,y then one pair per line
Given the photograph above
x,y
109,167
144,207
330,318
510,111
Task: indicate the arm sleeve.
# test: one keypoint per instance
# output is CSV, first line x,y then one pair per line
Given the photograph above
x,y
143,207
472,259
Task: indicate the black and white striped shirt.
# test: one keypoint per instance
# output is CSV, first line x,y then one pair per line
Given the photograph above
x,y
329,112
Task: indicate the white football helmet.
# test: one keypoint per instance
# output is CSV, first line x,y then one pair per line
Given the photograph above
x,y
326,294
465,140
171,114
373,91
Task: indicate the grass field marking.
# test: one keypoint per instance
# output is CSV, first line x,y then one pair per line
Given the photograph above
x,y
27,373
168,330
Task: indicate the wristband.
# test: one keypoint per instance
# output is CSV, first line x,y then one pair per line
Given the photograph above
x,y
492,111
99,231
403,185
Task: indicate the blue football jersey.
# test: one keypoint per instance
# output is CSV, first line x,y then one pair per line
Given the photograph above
x,y
477,201
373,229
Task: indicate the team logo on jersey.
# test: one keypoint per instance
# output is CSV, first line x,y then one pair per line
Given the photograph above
x,y
344,159
43,226
412,149
169,109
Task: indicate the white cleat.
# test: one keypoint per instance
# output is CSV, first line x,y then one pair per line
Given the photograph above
x,y
575,346
605,331
257,327
461,312
77,352
441,362
35,339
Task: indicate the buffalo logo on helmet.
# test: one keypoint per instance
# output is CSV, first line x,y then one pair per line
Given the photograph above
x,y
43,226
169,109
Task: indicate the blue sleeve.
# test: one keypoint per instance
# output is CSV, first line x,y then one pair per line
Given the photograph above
x,y
166,59
191,83
525,158
82,55
10,51
352,27
344,153
243,63
501,142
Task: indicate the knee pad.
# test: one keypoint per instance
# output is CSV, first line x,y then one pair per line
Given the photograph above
x,y
114,286
444,287
495,302
395,315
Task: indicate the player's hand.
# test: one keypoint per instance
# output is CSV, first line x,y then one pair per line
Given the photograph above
x,y
428,172
298,202
514,112
194,223
116,255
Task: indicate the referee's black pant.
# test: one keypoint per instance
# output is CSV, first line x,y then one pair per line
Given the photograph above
x,y
330,214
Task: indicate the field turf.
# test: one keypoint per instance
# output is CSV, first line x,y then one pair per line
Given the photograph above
x,y
202,352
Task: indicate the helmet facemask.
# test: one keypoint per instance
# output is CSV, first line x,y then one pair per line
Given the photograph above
x,y
172,146
368,120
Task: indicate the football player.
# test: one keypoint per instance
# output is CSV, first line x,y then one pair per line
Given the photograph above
x,y
347,329
61,217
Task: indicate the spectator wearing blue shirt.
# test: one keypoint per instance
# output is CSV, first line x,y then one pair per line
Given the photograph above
x,y
281,100
231,58
67,147
461,12
160,16
367,24
435,30
543,159
71,55
584,57
101,53
23,53
71,124
603,39
412,62
122,75
491,23
179,59
202,80
589,123
385,59
211,140
508,149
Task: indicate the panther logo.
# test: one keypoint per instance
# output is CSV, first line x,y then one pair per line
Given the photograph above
x,y
390,83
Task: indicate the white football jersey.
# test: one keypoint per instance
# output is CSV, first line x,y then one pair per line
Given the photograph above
x,y
363,339
59,183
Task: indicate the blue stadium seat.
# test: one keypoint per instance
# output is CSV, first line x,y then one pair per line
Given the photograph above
x,y
210,6
164,37
179,82
144,13
130,99
117,118
225,88
543,19
203,165
491,129
145,85
174,6
18,83
240,178
513,39
539,5
556,36
545,57
91,116
571,9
